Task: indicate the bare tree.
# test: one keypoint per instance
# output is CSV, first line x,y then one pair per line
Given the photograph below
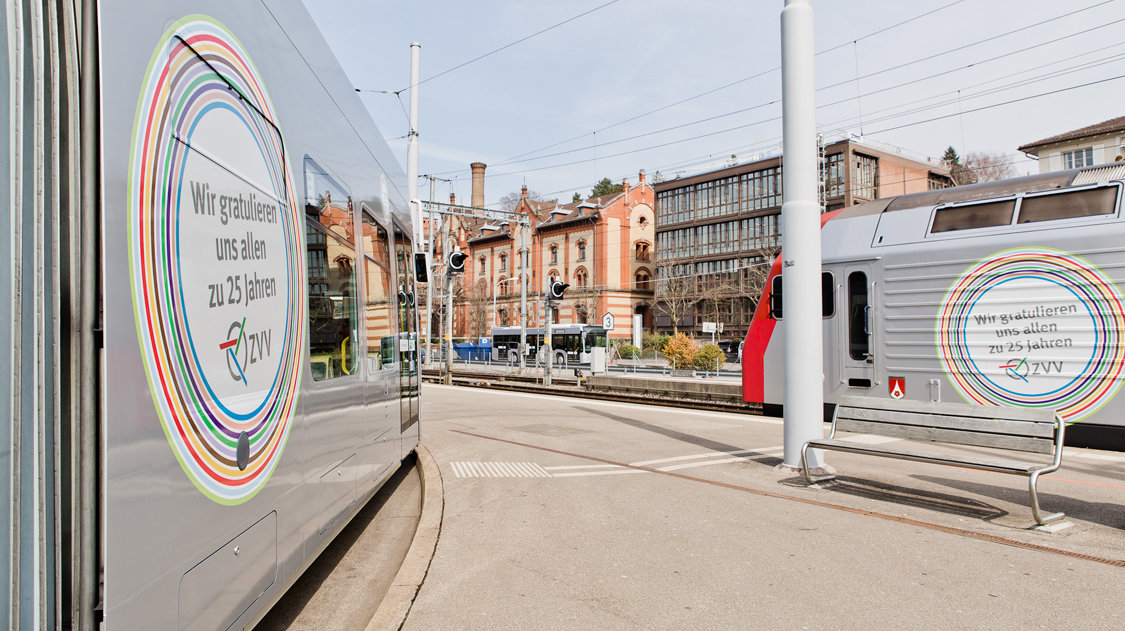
x,y
586,301
480,308
511,200
676,294
978,166
984,166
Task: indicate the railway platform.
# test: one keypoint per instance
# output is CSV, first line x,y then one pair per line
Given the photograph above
x,y
547,512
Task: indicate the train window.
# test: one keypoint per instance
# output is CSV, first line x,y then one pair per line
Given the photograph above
x,y
827,296
859,346
775,298
378,308
973,216
1086,203
330,243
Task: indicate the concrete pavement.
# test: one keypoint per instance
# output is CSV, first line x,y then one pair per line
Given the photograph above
x,y
576,514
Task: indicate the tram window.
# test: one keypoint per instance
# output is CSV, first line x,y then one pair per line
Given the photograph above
x,y
333,320
827,296
859,346
378,311
973,216
1087,203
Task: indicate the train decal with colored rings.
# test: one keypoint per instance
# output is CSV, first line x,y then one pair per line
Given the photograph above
x,y
216,256
1034,327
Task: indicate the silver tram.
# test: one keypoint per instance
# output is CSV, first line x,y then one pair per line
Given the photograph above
x,y
213,330
1000,293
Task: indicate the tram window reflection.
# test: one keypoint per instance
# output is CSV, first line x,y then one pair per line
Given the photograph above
x,y
330,246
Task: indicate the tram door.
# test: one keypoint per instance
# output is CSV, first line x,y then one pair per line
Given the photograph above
x,y
379,306
407,338
857,335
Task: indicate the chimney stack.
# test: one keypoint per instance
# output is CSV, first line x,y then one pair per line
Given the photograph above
x,y
624,185
641,176
478,184
523,191
453,199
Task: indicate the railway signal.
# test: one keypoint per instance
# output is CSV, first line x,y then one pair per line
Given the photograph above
x,y
456,262
555,292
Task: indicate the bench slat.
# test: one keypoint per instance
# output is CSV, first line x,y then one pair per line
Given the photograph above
x,y
937,434
992,464
966,423
957,409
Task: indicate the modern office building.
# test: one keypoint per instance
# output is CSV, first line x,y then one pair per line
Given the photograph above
x,y
717,231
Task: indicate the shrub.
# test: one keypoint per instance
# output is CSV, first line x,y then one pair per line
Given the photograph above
x,y
709,357
680,351
654,341
627,351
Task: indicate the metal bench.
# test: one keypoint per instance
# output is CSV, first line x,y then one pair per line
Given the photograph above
x,y
1004,428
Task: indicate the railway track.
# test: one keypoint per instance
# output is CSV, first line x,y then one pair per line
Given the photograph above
x,y
567,386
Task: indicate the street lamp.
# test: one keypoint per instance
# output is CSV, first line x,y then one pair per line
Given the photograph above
x,y
495,290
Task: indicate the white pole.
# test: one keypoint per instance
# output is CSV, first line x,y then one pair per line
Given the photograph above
x,y
412,144
800,237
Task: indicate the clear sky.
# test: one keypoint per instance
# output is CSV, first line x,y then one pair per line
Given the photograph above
x,y
676,86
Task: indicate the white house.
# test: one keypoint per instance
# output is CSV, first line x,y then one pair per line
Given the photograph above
x,y
1095,144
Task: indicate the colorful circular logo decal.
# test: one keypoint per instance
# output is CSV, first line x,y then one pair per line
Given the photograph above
x,y
1034,327
215,254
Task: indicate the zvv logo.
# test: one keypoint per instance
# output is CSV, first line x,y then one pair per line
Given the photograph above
x,y
234,344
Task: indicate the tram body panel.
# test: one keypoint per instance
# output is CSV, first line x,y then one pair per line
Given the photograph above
x,y
1024,312
172,553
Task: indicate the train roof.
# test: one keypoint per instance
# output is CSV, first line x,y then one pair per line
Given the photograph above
x,y
987,190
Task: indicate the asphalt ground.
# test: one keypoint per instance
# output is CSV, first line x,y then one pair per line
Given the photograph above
x,y
581,514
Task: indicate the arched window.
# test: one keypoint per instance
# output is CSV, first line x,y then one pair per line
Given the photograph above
x,y
581,278
503,262
482,261
643,250
554,254
582,250
642,281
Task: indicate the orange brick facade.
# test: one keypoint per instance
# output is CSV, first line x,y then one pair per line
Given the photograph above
x,y
603,247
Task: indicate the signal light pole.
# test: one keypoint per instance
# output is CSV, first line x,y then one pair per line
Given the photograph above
x,y
555,292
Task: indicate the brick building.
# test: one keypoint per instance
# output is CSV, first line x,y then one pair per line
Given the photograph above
x,y
602,247
716,231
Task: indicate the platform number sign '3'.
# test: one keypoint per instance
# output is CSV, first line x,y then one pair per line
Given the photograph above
x,y
897,387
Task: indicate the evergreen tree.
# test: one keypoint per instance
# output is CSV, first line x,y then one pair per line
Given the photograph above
x,y
577,198
605,187
951,158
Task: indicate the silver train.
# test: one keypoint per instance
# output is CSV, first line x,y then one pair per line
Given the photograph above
x,y
1001,293
213,331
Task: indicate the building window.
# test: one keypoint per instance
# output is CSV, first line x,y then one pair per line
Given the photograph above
x,y
503,262
834,176
1078,158
482,261
580,278
581,250
554,255
642,250
642,281
866,182
938,181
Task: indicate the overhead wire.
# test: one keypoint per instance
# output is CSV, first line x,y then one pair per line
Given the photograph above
x,y
869,75
734,83
509,45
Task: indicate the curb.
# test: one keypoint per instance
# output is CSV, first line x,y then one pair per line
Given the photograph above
x,y
396,604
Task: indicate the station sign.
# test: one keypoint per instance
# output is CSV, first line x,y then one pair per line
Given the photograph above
x,y
607,321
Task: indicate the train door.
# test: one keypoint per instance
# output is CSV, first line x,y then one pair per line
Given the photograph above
x,y
856,338
408,339
381,387
334,403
